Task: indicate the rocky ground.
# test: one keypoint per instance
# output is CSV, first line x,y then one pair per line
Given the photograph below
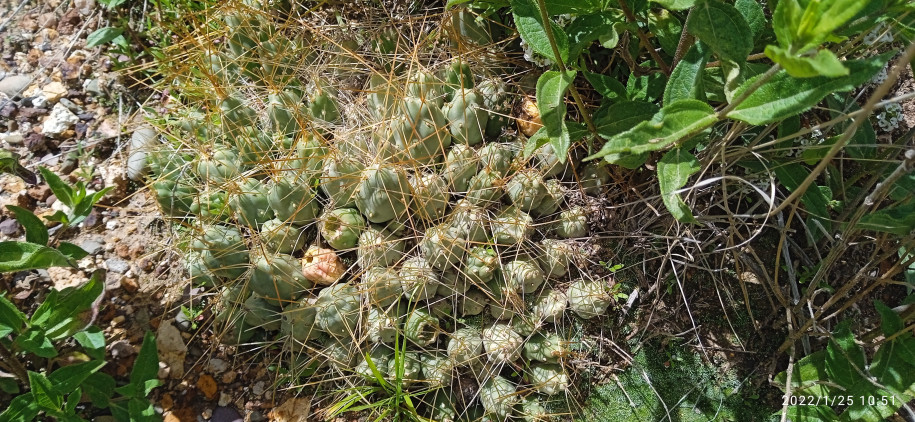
x,y
64,107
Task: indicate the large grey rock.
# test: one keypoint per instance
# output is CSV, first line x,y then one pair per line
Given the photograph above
x,y
14,85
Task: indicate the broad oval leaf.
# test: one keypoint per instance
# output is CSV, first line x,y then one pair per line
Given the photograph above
x,y
723,28
669,126
20,256
11,318
674,171
102,35
686,79
530,26
754,14
825,63
35,230
675,4
783,95
617,118
611,89
551,91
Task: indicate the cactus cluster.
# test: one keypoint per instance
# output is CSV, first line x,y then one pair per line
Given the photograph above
x,y
355,214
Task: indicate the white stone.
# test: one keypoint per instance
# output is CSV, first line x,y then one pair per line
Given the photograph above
x,y
12,138
60,119
172,349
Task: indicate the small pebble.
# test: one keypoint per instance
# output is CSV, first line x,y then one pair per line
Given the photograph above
x,y
229,377
111,225
118,320
91,246
10,227
226,414
117,265
218,366
258,388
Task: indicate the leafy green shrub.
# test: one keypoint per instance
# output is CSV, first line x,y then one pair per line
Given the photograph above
x,y
31,345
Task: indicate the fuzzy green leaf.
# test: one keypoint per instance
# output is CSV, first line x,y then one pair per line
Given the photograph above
x,y
686,79
753,12
35,341
99,387
620,117
810,414
68,378
602,26
821,18
11,318
825,63
43,391
530,26
22,408
897,219
791,176
551,91
35,231
146,367
19,256
62,191
723,28
784,95
674,171
670,125
93,341
611,89
102,35
675,4
577,7
72,251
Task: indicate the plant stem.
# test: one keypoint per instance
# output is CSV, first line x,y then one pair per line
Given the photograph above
x,y
541,4
643,38
18,370
685,39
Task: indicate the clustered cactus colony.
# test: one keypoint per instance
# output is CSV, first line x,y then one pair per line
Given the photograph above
x,y
424,229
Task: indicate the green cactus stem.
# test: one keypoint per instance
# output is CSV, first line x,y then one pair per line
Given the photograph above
x,y
430,196
341,178
526,190
278,279
338,310
461,164
421,327
480,265
383,193
261,313
502,344
418,279
551,200
467,117
572,223
341,227
512,226
279,237
548,378
589,299
498,396
465,346
292,200
379,248
299,320
593,177
249,203
545,347
443,246
382,285
549,305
